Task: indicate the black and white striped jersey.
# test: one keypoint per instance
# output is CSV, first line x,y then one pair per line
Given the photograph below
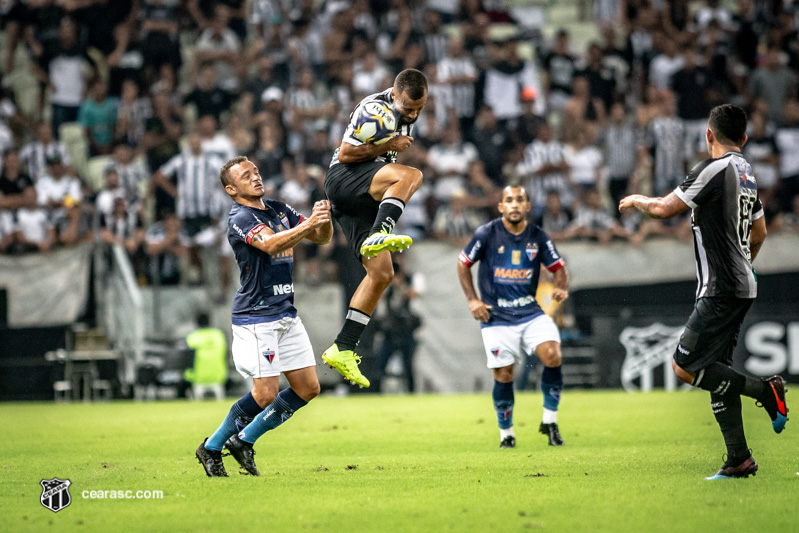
x,y
197,180
349,136
723,196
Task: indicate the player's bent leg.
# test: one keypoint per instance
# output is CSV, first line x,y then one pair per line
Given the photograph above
x,y
682,375
304,382
345,362
503,398
395,181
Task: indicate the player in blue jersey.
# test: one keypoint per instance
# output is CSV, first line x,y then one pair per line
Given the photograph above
x,y
368,191
268,336
510,251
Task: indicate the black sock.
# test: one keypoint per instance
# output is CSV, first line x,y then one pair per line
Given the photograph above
x,y
352,329
387,215
727,410
720,379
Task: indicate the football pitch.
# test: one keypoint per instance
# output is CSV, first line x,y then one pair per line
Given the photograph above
x,y
632,462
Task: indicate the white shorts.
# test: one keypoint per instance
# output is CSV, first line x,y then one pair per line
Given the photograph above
x,y
269,348
506,344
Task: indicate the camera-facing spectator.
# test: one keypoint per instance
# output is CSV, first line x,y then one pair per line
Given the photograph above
x,y
60,195
35,153
166,246
98,116
16,188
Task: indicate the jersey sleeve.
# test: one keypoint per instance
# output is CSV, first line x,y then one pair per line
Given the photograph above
x,y
694,190
475,250
551,259
245,226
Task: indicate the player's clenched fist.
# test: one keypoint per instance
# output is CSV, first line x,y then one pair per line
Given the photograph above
x,y
479,310
399,143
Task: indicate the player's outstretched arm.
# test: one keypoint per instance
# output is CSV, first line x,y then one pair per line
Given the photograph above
x,y
479,310
322,234
654,207
350,153
273,243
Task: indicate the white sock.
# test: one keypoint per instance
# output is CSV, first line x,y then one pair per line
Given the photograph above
x,y
550,417
506,433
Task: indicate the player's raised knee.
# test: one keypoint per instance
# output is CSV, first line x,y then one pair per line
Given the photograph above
x,y
414,177
549,353
382,276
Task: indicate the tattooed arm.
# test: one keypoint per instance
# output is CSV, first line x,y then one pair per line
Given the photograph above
x,y
654,207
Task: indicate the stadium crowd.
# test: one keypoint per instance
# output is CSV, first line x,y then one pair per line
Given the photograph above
x,y
141,101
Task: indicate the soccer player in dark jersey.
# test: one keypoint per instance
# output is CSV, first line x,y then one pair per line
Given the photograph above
x,y
368,191
729,229
511,251
268,336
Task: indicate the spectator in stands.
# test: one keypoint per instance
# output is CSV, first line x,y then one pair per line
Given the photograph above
x,y
35,231
104,201
691,85
16,188
255,86
203,12
305,105
492,143
787,138
665,137
219,46
166,246
620,143
98,116
34,154
208,96
556,219
60,195
455,221
531,120
560,67
594,222
65,74
132,174
215,143
7,231
43,20
160,35
122,226
450,163
458,72
369,74
774,83
582,112
649,107
240,134
318,151
762,153
601,76
269,152
585,162
789,222
128,63
482,193
543,169
132,114
502,83
665,64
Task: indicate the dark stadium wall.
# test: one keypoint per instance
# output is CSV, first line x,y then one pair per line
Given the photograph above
x,y
768,342
24,372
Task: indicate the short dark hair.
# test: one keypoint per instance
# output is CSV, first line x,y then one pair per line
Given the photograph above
x,y
203,320
728,124
411,81
224,172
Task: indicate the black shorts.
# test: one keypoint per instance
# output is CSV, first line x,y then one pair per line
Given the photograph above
x,y
347,188
711,332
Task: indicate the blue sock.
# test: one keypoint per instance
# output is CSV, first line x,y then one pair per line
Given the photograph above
x,y
551,385
503,404
275,414
241,413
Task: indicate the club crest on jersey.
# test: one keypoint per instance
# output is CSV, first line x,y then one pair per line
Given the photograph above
x,y
55,494
269,355
284,219
495,352
532,250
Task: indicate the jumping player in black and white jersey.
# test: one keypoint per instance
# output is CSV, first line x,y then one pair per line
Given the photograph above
x,y
368,192
268,336
729,229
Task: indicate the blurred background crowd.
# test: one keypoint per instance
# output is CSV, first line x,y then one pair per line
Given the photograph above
x,y
115,115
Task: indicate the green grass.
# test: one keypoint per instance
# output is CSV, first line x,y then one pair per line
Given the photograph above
x,y
419,463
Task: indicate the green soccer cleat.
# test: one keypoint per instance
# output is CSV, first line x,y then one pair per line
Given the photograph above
x,y
383,240
346,363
